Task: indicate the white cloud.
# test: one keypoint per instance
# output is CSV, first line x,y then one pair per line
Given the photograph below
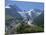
x,y
7,7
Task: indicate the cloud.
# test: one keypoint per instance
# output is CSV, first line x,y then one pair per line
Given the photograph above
x,y
7,7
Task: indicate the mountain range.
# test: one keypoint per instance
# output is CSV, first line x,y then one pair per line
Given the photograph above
x,y
14,11
32,16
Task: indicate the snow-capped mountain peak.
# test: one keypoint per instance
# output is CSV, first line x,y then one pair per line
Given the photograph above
x,y
30,13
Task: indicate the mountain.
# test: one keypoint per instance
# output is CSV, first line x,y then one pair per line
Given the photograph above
x,y
36,12
31,14
16,16
12,11
39,20
12,17
26,21
25,15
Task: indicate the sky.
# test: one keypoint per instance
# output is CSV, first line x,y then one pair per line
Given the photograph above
x,y
25,5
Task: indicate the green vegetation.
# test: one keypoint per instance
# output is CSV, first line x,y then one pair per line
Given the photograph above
x,y
28,29
8,20
24,27
39,20
6,33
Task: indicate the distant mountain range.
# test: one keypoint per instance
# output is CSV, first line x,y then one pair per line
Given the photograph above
x,y
25,13
15,11
32,16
